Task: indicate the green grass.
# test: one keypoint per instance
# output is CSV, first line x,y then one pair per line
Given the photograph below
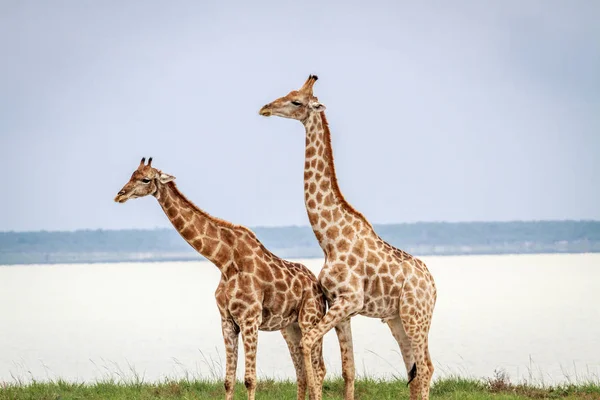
x,y
371,389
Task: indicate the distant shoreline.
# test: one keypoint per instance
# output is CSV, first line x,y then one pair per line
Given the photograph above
x,y
294,242
202,259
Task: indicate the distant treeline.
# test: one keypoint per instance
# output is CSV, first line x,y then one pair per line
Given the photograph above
x,y
424,238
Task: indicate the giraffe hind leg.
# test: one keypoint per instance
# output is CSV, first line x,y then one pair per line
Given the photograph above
x,y
417,332
319,367
406,349
292,336
430,369
412,374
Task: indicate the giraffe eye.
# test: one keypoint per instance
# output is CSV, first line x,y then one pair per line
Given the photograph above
x,y
296,103
145,180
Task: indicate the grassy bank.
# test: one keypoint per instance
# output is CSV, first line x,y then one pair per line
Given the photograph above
x,y
449,388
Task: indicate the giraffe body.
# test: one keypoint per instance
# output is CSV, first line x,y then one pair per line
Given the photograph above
x,y
362,274
257,290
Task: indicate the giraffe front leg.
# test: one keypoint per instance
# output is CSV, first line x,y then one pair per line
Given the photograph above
x,y
340,310
230,336
250,338
344,334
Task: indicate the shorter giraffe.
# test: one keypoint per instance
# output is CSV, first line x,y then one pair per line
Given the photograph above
x,y
257,291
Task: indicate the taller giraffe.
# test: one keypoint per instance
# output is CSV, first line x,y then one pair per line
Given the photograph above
x,y
362,273
257,290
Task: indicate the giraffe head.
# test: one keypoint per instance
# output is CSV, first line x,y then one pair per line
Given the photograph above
x,y
297,104
145,180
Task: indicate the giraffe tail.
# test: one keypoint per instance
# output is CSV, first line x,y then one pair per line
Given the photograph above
x,y
412,374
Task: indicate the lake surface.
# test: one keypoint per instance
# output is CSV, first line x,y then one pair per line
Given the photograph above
x,y
535,316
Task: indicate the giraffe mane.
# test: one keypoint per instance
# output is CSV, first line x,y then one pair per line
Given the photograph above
x,y
336,187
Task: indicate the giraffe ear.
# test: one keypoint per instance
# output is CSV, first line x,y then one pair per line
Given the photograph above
x,y
315,105
165,178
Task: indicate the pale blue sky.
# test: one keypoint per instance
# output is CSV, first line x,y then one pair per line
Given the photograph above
x,y
445,111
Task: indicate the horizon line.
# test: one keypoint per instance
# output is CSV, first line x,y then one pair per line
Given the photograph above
x,y
308,226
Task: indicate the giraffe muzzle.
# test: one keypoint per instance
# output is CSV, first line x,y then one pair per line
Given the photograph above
x,y
265,111
121,198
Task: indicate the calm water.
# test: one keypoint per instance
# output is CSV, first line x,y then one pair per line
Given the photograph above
x,y
534,316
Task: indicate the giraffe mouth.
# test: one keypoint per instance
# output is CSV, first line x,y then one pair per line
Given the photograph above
x,y
121,198
265,112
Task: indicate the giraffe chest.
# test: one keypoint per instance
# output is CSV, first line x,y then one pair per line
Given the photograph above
x,y
278,312
274,314
280,305
275,322
383,307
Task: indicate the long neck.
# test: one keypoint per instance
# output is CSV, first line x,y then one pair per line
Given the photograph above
x,y
326,206
208,235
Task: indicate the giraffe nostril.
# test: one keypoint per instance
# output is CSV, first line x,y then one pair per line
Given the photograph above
x,y
121,192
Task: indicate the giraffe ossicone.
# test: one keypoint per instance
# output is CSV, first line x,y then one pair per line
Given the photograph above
x,y
257,290
362,273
